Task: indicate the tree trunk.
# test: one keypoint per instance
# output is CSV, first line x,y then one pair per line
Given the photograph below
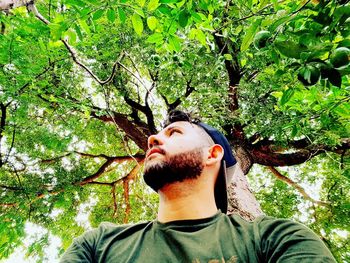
x,y
240,198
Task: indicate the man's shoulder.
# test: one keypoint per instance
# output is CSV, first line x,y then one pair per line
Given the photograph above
x,y
263,220
109,227
284,239
264,226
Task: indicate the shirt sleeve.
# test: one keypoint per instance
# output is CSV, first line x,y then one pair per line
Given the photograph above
x,y
82,249
285,241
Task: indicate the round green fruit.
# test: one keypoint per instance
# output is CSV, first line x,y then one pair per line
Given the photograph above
x,y
219,67
325,70
340,57
157,63
342,2
156,57
261,39
176,58
309,75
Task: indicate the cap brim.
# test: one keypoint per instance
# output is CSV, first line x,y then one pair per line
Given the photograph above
x,y
220,187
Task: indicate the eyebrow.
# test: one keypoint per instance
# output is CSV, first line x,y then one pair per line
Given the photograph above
x,y
168,129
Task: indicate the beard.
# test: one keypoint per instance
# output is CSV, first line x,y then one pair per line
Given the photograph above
x,y
177,168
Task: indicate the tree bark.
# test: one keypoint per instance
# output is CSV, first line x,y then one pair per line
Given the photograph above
x,y
241,199
6,5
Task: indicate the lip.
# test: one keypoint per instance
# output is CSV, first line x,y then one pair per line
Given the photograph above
x,y
154,150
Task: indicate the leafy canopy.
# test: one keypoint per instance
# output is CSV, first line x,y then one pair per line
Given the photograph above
x,y
83,83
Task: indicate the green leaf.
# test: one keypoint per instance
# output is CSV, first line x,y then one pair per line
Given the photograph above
x,y
137,23
196,17
72,36
189,4
152,22
228,56
295,131
156,38
289,48
279,22
55,31
152,5
41,44
141,2
139,11
76,3
200,36
165,10
169,1
111,15
94,2
98,14
287,95
263,3
122,15
175,43
84,26
183,18
248,38
77,29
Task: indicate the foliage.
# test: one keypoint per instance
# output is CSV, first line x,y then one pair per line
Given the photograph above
x,y
84,83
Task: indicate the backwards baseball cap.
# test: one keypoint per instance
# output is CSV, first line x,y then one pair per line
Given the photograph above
x,y
227,167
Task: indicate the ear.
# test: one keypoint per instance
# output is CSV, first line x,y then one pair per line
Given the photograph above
x,y
214,155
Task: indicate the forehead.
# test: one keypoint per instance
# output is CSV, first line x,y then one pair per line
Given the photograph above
x,y
183,125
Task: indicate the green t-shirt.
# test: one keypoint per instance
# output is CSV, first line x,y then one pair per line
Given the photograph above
x,y
220,238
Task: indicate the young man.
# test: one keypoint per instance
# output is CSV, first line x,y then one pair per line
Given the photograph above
x,y
188,164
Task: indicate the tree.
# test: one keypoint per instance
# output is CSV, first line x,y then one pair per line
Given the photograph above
x,y
83,84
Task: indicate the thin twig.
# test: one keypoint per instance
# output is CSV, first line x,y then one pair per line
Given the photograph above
x,y
31,7
296,186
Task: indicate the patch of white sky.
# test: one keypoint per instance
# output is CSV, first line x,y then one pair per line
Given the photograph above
x,y
84,211
33,233
99,100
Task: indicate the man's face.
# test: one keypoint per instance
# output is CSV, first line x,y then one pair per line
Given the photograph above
x,y
174,155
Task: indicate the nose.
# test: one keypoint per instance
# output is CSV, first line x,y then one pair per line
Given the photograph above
x,y
153,140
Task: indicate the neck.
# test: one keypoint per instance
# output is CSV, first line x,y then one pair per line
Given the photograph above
x,y
186,200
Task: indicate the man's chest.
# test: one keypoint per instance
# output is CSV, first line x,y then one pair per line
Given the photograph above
x,y
175,246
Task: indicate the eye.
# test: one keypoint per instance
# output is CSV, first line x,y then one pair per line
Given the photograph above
x,y
172,131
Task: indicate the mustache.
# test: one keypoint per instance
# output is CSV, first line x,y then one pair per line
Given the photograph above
x,y
159,149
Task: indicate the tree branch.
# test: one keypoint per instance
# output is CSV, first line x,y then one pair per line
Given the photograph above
x,y
233,70
6,5
75,59
12,144
3,27
87,180
136,133
136,105
32,8
126,200
13,188
3,110
123,123
115,158
268,158
263,153
297,187
178,101
115,205
103,168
